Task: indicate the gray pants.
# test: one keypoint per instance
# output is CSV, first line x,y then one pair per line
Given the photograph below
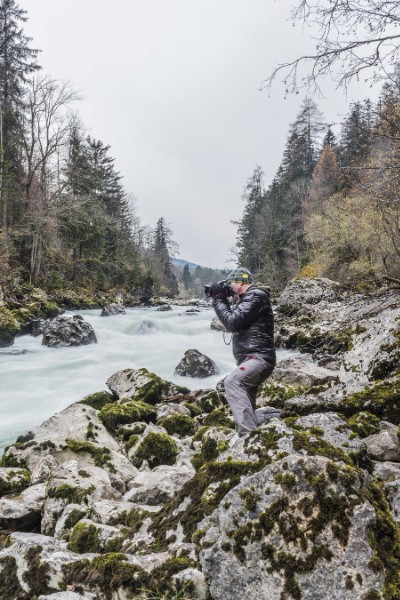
x,y
241,387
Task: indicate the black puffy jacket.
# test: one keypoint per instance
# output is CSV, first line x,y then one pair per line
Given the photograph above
x,y
252,323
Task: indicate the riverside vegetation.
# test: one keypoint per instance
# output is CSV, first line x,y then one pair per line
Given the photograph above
x,y
146,491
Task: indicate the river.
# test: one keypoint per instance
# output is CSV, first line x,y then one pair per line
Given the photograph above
x,y
37,381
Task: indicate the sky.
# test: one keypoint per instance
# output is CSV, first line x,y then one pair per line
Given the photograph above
x,y
173,87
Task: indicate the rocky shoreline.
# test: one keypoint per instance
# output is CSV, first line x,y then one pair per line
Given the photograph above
x,y
144,490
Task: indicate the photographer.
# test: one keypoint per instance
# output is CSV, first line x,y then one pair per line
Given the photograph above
x,y
252,323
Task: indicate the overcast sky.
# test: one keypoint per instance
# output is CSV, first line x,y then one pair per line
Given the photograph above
x,y
172,86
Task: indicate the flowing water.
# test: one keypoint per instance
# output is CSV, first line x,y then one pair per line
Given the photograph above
x,y
36,381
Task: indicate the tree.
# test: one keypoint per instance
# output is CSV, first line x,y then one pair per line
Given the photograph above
x,y
17,62
187,278
354,39
249,244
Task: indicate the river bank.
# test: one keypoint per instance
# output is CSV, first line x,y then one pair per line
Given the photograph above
x,y
145,489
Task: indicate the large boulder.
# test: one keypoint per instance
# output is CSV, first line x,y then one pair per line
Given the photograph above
x,y
112,309
142,385
305,373
68,330
273,536
196,364
385,445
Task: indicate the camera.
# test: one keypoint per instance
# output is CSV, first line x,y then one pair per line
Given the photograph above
x,y
225,285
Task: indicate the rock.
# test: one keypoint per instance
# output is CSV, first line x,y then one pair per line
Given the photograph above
x,y
112,309
158,486
196,580
386,471
217,325
301,292
385,445
392,490
111,512
9,327
88,536
13,480
196,364
68,331
333,429
76,433
23,512
164,308
304,373
71,485
143,385
33,565
155,447
252,538
172,408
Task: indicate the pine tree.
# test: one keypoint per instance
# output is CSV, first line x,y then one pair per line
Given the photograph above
x,y
187,278
17,62
250,234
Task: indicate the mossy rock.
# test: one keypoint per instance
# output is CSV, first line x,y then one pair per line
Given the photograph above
x,y
120,413
126,431
100,454
157,449
219,418
112,575
381,399
72,494
277,393
364,424
97,400
9,327
333,342
177,424
84,538
13,481
210,401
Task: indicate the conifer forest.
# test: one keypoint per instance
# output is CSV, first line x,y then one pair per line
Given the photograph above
x,y
67,222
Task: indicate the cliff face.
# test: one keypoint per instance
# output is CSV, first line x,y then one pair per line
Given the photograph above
x,y
146,491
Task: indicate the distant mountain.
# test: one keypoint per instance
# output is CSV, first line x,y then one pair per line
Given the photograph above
x,y
180,262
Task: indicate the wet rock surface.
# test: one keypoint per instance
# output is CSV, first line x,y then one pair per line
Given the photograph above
x,y
68,331
147,491
113,309
196,364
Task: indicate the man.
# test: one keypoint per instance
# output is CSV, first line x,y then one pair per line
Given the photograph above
x,y
251,321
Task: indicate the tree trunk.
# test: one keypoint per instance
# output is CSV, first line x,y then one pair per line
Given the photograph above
x,y
36,256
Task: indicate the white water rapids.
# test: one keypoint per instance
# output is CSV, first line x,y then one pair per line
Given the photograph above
x,y
36,381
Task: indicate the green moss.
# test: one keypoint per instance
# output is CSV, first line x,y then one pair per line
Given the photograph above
x,y
364,424
9,327
9,460
116,414
157,449
226,474
332,342
286,479
125,431
385,541
250,498
132,519
210,401
195,411
37,574
177,424
106,573
219,418
74,517
9,584
381,399
131,442
84,538
100,454
14,482
278,393
97,400
74,495
314,445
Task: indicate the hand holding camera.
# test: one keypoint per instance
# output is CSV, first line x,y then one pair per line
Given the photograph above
x,y
218,291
